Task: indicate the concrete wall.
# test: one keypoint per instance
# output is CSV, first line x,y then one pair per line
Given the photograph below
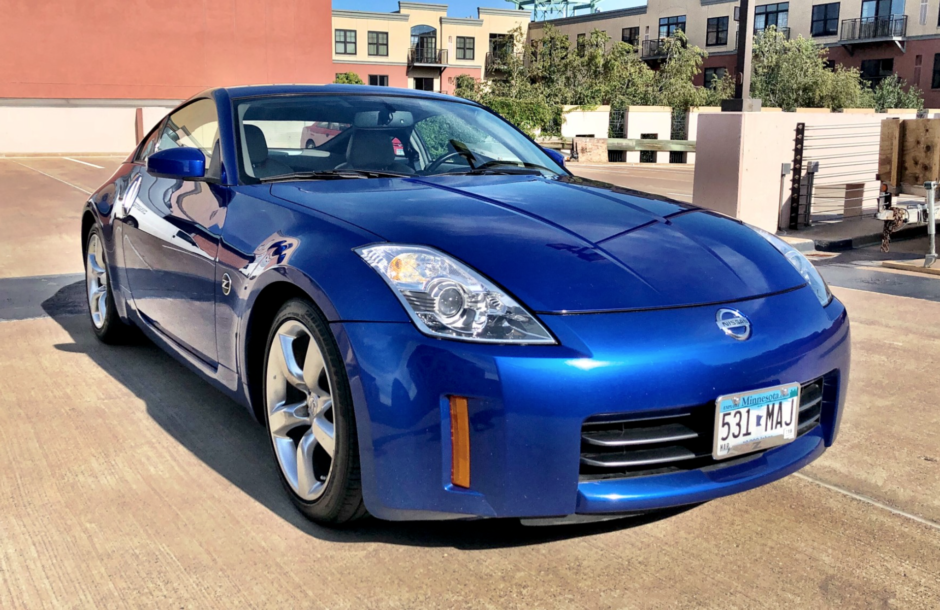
x,y
37,129
740,155
593,123
159,49
692,125
639,120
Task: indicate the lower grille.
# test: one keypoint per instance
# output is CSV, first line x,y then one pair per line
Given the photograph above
x,y
633,446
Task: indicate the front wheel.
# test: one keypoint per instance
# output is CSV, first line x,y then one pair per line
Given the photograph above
x,y
105,322
309,416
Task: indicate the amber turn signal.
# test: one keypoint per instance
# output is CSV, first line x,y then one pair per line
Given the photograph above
x,y
459,442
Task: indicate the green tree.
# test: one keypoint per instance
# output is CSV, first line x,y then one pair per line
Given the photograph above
x,y
348,78
894,92
792,74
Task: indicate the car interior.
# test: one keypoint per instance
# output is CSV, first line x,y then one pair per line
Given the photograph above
x,y
288,135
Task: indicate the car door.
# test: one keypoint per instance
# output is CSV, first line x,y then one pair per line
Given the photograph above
x,y
171,236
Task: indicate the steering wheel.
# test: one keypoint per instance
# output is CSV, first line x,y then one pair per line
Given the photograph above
x,y
436,163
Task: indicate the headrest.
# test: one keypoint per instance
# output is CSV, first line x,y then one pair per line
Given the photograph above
x,y
370,149
257,145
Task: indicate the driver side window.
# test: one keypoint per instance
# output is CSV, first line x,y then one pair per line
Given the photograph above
x,y
195,126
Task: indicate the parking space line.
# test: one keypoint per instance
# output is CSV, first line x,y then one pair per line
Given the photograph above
x,y
82,162
53,177
870,501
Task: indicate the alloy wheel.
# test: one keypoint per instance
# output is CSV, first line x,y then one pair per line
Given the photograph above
x,y
299,403
96,281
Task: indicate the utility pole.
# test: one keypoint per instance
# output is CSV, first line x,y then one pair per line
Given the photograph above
x,y
742,101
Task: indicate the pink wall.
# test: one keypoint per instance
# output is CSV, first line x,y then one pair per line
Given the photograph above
x,y
159,49
903,62
397,75
728,62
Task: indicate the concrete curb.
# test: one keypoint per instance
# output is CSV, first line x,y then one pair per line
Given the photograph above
x,y
863,241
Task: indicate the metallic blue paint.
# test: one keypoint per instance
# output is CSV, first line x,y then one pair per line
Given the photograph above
x,y
629,283
177,163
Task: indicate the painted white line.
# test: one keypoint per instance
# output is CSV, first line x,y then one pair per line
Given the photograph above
x,y
54,178
867,500
679,195
82,162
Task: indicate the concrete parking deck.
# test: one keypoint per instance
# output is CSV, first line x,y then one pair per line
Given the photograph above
x,y
125,481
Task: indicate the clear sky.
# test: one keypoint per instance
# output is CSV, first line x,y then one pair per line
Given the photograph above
x,y
458,8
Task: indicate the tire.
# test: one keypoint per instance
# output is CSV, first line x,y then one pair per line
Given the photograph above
x,y
105,322
306,399
310,144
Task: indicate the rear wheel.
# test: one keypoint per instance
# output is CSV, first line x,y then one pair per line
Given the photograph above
x,y
309,416
310,144
105,322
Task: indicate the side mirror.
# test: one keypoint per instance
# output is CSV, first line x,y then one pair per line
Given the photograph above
x,y
178,163
556,156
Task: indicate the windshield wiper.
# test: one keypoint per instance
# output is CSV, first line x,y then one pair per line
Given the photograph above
x,y
336,174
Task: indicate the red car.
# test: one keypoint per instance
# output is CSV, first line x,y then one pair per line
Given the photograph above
x,y
317,133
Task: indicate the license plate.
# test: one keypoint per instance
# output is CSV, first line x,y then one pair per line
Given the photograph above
x,y
754,421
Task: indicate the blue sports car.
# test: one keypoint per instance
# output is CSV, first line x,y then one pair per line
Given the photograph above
x,y
434,319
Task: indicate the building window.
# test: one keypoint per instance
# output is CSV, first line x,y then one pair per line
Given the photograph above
x,y
378,80
923,12
874,70
378,43
670,25
714,74
631,36
935,81
717,32
466,47
768,15
882,8
424,84
345,42
825,19
918,63
582,44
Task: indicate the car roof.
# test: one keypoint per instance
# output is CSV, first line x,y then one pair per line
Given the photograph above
x,y
263,90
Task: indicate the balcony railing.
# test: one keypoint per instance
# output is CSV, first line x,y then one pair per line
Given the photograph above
x,y
426,56
874,28
653,49
498,61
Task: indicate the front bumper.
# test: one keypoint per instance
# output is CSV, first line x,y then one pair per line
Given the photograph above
x,y
527,405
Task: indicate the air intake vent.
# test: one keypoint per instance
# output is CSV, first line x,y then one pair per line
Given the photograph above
x,y
636,446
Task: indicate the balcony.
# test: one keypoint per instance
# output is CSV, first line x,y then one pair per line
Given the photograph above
x,y
891,28
654,49
498,61
429,57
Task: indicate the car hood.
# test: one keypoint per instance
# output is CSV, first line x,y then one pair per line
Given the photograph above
x,y
563,245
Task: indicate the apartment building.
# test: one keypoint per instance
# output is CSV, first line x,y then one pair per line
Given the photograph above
x,y
879,37
419,46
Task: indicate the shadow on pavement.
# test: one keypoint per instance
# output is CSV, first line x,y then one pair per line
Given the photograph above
x,y
227,438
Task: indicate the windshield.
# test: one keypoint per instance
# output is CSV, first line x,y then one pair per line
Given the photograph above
x,y
368,136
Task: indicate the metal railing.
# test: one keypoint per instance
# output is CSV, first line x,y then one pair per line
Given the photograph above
x,y
874,28
498,61
833,173
427,56
653,48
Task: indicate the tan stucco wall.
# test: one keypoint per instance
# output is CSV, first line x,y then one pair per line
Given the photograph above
x,y
398,26
638,120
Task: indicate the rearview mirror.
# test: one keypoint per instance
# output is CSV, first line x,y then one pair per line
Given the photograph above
x,y
556,156
178,163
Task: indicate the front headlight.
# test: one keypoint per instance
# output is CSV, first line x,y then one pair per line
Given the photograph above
x,y
447,299
801,264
